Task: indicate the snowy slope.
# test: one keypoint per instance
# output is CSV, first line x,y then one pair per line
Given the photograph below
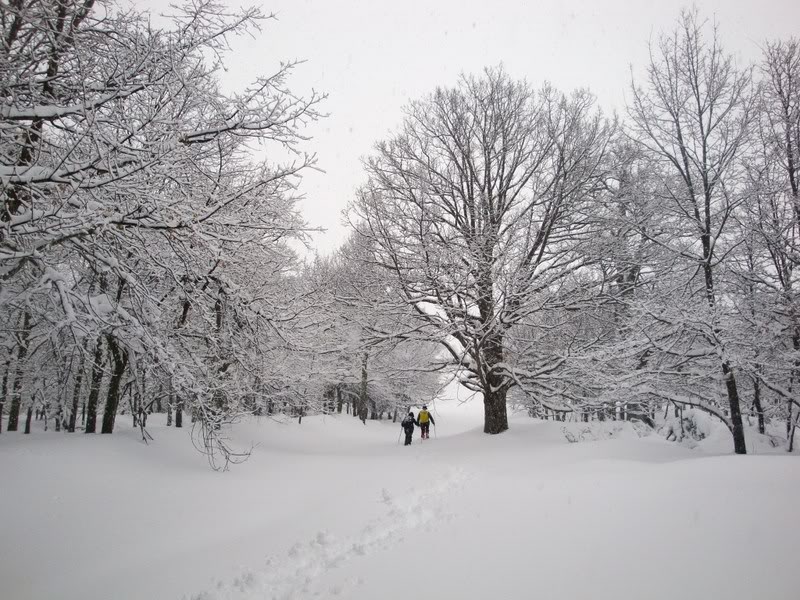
x,y
336,509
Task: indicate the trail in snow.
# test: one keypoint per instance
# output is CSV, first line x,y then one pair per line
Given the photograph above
x,y
334,508
297,574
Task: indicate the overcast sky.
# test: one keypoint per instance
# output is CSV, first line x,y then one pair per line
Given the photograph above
x,y
373,56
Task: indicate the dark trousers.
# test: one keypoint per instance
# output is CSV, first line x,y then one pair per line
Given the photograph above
x,y
408,437
426,427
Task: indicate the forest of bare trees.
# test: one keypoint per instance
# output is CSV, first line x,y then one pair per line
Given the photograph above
x,y
587,262
510,235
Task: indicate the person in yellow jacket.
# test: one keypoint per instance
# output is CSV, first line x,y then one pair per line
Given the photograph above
x,y
424,418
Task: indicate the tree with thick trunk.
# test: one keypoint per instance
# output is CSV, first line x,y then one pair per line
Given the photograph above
x,y
472,211
95,379
19,374
119,356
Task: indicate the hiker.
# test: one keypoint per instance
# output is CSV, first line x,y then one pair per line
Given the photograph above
x,y
408,426
424,420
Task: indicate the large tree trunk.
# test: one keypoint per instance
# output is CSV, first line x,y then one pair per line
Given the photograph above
x,y
494,395
94,391
120,358
16,389
495,414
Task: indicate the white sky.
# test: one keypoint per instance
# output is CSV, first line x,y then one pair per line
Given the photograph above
x,y
373,56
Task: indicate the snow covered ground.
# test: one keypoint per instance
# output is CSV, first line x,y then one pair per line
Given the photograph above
x,y
336,509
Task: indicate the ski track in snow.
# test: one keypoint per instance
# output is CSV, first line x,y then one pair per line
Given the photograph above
x,y
296,574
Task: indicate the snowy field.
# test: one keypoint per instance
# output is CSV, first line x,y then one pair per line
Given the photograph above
x,y
336,509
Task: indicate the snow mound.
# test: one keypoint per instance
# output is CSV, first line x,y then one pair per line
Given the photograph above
x,y
708,434
604,430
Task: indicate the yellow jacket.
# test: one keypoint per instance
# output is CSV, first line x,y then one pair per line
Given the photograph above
x,y
424,416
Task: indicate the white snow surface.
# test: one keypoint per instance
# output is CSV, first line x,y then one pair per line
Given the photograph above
x,y
332,508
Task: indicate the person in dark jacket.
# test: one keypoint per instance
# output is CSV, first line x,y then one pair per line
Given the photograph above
x,y
424,420
408,426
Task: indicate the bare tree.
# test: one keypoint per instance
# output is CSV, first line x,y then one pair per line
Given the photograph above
x,y
473,208
693,118
774,170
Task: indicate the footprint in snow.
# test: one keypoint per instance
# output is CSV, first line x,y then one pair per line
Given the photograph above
x,y
294,575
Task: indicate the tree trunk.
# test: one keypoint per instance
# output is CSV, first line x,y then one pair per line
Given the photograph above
x,y
159,408
169,409
179,414
16,389
495,415
94,391
736,414
757,405
28,420
494,387
362,399
339,399
4,388
120,358
135,408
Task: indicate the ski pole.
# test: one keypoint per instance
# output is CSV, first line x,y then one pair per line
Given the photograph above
x,y
434,431
398,437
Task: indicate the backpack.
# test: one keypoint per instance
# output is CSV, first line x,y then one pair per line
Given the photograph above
x,y
424,416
